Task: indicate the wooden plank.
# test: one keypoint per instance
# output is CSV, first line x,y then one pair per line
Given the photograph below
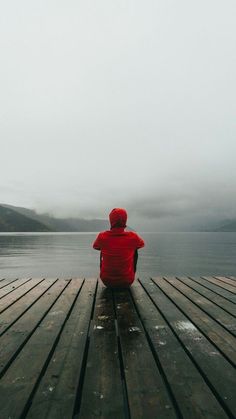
x,y
102,392
208,359
220,284
28,367
217,313
148,395
228,281
231,277
224,341
13,286
6,281
19,292
211,295
219,291
15,311
190,390
56,394
15,338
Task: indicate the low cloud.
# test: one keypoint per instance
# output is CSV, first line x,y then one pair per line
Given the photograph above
x,y
93,117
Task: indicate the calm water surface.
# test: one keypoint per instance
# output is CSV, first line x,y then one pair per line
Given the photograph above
x,y
71,255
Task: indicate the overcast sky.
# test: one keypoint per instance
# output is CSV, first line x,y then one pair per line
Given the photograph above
x,y
119,103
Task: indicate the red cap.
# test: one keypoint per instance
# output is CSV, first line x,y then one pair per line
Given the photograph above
x,y
118,217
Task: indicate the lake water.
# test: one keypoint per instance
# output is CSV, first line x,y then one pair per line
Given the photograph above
x,y
71,255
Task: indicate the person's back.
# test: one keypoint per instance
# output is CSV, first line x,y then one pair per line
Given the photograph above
x,y
118,251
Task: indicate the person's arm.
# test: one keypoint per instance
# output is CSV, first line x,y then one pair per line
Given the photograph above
x,y
98,242
100,260
138,245
135,260
140,242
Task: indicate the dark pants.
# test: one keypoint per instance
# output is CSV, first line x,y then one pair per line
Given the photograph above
x,y
135,260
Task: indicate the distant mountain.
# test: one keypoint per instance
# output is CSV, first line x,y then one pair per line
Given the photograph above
x,y
24,219
13,221
20,219
228,226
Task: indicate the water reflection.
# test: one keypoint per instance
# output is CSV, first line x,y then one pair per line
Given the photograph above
x,y
71,254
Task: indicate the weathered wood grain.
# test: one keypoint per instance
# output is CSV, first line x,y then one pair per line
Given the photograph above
x,y
102,390
16,337
15,295
221,284
216,312
146,389
5,281
209,360
228,281
211,295
70,349
214,331
34,355
219,291
16,310
56,394
12,286
188,385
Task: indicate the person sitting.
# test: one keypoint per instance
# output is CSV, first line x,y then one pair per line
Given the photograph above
x,y
119,251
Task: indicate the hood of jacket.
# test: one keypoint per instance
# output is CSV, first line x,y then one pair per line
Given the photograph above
x,y
118,217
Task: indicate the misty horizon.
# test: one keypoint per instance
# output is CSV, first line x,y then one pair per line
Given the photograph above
x,y
200,225
120,105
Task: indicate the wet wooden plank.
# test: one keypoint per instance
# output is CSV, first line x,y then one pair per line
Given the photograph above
x,y
12,313
190,390
57,391
209,360
16,337
232,277
102,390
217,313
167,356
6,281
148,395
224,341
15,295
219,291
228,281
211,295
220,284
13,286
35,355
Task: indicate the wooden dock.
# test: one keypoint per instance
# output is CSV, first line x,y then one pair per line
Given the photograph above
x,y
70,348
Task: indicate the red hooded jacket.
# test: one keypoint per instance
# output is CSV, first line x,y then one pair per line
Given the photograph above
x,y
117,248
